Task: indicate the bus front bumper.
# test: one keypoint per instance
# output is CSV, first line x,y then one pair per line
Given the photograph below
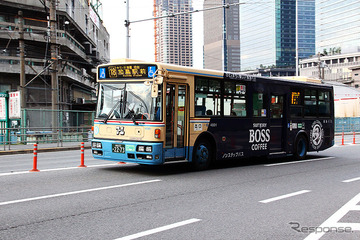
x,y
127,151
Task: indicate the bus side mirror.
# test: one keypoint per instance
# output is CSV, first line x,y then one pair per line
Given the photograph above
x,y
154,90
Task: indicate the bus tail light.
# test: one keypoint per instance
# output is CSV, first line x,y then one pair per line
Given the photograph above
x,y
157,133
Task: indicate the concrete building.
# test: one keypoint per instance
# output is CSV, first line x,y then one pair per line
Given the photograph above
x,y
82,43
221,36
338,68
173,35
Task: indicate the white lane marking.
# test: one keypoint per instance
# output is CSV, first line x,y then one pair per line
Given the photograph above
x,y
55,169
285,196
351,180
333,221
296,162
77,192
159,229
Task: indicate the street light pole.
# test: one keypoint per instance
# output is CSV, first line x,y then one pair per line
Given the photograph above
x,y
127,21
127,25
297,39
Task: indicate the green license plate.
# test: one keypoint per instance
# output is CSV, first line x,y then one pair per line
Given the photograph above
x,y
118,148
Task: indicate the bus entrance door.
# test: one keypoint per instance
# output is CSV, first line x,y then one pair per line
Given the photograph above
x,y
175,121
277,124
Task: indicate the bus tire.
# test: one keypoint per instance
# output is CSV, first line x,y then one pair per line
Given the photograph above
x,y
202,155
300,149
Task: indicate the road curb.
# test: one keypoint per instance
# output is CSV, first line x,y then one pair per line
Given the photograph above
x,y
52,149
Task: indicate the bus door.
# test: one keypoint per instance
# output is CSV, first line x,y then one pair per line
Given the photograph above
x,y
176,118
277,124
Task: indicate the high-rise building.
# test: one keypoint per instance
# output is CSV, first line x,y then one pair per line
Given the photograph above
x,y
268,33
221,36
337,26
173,34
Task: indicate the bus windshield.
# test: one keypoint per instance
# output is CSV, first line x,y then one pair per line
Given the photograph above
x,y
128,101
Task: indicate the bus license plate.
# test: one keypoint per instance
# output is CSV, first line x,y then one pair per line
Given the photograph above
x,y
118,148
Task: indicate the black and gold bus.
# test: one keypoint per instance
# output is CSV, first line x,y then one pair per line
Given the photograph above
x,y
152,113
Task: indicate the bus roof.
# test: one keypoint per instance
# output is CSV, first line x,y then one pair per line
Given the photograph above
x,y
278,80
176,69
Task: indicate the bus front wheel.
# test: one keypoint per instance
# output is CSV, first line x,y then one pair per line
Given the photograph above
x,y
300,148
202,155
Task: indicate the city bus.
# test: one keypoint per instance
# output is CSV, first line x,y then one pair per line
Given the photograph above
x,y
153,113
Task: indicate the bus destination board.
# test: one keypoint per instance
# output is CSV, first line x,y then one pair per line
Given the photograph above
x,y
126,71
295,98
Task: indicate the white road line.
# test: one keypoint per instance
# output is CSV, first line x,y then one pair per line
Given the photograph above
x,y
333,221
55,169
296,162
76,192
160,229
284,196
351,180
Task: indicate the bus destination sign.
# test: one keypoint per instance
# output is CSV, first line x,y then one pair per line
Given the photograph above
x,y
126,71
295,98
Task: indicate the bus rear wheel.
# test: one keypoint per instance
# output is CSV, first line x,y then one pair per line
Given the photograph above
x,y
202,155
300,150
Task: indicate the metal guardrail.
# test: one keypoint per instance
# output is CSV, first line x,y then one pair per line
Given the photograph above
x,y
12,136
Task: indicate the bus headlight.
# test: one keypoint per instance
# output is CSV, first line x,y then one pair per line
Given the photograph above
x,y
141,148
96,144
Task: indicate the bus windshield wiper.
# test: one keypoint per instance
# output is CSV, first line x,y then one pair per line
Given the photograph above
x,y
133,119
112,110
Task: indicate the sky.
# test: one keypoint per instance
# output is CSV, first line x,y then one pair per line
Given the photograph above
x,y
142,33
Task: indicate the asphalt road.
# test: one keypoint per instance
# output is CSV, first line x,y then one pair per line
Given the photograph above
x,y
253,199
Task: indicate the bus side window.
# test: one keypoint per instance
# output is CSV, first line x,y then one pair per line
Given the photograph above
x,y
207,96
259,109
324,104
276,106
310,103
234,99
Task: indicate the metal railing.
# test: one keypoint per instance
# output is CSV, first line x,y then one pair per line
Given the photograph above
x,y
347,125
31,135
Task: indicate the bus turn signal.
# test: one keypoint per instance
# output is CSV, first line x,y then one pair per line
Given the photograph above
x,y
157,133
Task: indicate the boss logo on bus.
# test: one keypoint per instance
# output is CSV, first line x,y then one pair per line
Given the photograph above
x,y
259,136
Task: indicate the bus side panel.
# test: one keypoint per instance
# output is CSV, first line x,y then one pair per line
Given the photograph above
x,y
234,137
319,132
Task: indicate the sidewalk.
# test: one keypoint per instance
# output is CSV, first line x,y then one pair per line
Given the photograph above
x,y
42,147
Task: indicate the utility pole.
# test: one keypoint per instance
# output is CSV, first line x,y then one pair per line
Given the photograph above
x,y
22,61
54,59
321,67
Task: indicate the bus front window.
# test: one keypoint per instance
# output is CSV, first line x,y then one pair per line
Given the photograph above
x,y
128,101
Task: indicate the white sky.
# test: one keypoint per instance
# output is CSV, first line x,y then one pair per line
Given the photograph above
x,y
142,34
